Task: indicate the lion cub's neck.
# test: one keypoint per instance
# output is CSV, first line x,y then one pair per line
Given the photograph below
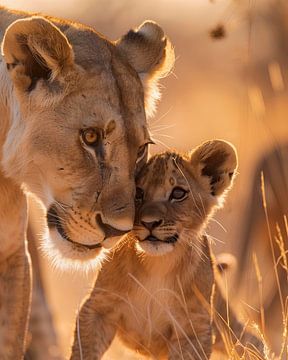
x,y
175,262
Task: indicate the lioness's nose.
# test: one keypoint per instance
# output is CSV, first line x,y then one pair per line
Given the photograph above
x,y
123,224
111,229
117,208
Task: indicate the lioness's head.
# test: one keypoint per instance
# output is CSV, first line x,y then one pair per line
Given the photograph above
x,y
78,133
176,196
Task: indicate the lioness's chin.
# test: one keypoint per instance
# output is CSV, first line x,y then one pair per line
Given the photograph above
x,y
66,255
154,248
109,243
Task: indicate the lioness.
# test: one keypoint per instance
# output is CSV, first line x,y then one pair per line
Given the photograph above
x,y
155,293
73,132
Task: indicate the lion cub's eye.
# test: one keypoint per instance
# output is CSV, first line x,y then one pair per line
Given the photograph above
x,y
178,194
89,136
139,195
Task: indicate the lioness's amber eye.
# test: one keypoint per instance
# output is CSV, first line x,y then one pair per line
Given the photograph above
x,y
89,136
178,194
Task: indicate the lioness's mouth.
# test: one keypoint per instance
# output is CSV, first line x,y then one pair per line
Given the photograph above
x,y
108,230
54,221
168,240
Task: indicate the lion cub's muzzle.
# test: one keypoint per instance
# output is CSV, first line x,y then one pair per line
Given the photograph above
x,y
151,225
152,218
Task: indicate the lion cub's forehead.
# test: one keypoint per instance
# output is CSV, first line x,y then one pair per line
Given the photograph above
x,y
162,172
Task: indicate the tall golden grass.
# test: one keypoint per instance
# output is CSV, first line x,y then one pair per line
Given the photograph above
x,y
227,334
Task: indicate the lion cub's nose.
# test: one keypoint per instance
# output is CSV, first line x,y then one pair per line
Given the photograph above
x,y
151,224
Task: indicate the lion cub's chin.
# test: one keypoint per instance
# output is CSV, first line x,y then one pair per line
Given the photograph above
x,y
67,256
154,248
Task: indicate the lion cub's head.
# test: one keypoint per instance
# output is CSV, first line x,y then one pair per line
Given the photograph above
x,y
177,194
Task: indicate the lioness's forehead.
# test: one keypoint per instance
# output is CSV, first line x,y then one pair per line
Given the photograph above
x,y
108,71
110,89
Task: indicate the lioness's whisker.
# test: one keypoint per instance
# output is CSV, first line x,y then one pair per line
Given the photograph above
x,y
162,143
153,122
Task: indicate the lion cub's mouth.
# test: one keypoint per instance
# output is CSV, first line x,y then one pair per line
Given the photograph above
x,y
169,240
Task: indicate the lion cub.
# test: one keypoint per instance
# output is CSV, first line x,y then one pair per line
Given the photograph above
x,y
155,293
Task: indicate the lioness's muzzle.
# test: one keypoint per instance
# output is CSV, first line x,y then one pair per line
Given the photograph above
x,y
108,230
54,220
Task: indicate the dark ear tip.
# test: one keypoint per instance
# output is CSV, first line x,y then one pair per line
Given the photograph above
x,y
148,31
132,35
151,30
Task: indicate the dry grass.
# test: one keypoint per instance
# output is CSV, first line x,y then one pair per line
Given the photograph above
x,y
232,347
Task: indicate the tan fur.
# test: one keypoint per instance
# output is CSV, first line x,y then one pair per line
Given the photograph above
x,y
156,294
15,296
41,332
58,78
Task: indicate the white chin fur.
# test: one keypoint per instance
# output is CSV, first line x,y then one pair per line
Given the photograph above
x,y
64,256
156,248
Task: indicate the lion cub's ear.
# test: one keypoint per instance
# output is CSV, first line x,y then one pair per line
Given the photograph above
x,y
214,164
34,49
151,54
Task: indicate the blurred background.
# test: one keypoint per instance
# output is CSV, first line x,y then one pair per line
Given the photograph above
x,y
229,82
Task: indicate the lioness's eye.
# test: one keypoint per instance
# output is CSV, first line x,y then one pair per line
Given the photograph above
x,y
142,152
139,194
178,194
89,136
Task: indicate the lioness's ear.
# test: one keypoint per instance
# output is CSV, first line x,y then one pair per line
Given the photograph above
x,y
151,54
34,49
214,164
